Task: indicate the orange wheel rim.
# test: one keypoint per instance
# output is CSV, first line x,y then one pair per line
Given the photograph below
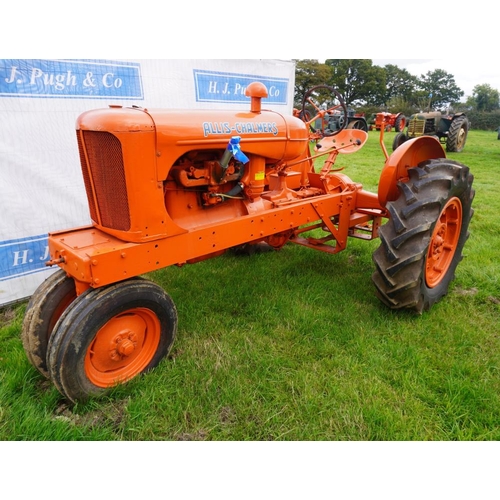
x,y
123,347
443,243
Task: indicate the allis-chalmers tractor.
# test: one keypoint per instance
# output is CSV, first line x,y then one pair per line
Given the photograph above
x,y
172,187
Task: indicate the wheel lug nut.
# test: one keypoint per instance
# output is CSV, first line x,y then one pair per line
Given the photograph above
x,y
126,347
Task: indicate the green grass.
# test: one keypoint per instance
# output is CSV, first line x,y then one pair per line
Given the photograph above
x,y
294,345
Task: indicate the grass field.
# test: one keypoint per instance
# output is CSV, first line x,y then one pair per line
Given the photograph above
x,y
294,345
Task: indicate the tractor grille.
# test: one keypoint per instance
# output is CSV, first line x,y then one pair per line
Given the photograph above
x,y
104,175
416,127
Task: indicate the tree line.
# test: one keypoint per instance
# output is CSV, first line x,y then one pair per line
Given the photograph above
x,y
368,88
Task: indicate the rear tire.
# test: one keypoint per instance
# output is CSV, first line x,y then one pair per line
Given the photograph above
x,y
109,336
400,123
46,305
421,244
457,135
358,125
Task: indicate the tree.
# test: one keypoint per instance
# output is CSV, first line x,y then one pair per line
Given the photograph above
x,y
308,74
485,98
400,84
357,80
440,88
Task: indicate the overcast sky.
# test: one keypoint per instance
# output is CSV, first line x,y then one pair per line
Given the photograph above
x,y
467,40
467,73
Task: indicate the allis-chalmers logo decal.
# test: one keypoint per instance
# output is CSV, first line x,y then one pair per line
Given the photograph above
x,y
239,128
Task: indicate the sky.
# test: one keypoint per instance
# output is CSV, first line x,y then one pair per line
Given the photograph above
x,y
466,41
468,74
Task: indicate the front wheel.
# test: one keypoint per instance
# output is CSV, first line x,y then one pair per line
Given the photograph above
x,y
108,336
45,307
399,139
421,244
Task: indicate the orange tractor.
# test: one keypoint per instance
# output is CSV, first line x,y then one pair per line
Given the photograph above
x,y
389,121
172,187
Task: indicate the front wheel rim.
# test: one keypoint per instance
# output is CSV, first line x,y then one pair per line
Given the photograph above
x,y
443,243
123,347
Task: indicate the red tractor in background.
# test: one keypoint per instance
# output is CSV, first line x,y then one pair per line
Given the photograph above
x,y
388,121
174,187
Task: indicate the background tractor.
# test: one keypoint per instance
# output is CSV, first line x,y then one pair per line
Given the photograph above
x,y
396,121
172,187
451,129
336,120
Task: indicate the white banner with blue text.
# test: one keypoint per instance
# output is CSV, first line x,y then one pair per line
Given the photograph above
x,y
40,100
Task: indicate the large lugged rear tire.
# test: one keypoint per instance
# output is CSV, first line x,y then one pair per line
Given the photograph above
x,y
110,335
421,244
457,135
400,123
358,124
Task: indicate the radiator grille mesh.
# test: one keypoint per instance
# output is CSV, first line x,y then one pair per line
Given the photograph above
x,y
105,172
416,127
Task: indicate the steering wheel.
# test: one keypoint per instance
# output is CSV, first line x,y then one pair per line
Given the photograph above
x,y
331,120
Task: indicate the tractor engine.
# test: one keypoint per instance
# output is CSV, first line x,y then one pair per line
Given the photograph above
x,y
155,173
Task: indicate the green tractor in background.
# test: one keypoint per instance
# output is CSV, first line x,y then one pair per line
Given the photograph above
x,y
450,130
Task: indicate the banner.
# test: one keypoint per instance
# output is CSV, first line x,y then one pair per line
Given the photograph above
x,y
40,99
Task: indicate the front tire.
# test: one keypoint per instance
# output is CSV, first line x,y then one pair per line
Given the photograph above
x,y
45,307
422,243
109,336
399,139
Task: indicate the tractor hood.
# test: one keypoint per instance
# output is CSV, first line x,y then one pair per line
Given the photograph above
x,y
265,133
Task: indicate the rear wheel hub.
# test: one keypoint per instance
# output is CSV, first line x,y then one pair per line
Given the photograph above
x,y
443,242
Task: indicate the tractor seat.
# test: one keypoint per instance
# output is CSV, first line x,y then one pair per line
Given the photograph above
x,y
346,141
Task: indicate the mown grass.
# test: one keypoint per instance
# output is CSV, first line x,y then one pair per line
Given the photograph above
x,y
294,345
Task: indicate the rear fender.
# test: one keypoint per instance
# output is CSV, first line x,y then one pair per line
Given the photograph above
x,y
409,154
